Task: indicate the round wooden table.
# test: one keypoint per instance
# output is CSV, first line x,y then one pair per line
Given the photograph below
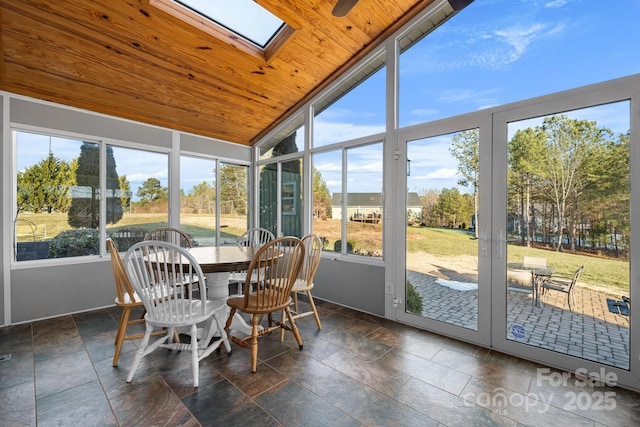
x,y
217,262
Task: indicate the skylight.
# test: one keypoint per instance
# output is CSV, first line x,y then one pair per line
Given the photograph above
x,y
243,17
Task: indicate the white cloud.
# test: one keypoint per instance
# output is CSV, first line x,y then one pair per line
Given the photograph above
x,y
327,132
424,112
519,38
556,3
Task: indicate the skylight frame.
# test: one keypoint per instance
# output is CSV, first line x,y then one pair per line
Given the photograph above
x,y
206,25
261,43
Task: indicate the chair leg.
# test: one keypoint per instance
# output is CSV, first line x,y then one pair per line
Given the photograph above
x,y
314,309
232,312
194,354
293,326
223,332
120,335
140,353
570,302
282,320
295,303
254,342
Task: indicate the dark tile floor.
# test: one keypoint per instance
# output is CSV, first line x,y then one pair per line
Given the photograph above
x,y
359,370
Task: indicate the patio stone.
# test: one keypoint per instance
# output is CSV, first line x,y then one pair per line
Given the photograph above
x,y
589,332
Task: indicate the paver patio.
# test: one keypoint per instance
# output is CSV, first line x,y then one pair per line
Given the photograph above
x,y
590,332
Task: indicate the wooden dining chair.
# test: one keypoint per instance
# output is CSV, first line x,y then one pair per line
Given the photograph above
x,y
304,282
171,235
277,265
126,298
157,270
254,237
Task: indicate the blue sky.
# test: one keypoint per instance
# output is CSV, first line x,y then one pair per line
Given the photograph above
x,y
498,51
491,53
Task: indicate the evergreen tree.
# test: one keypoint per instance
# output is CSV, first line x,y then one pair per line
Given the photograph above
x,y
465,149
44,187
125,192
233,186
151,191
321,196
569,143
526,150
85,204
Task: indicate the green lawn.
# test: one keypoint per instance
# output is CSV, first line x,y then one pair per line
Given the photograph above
x,y
437,241
448,242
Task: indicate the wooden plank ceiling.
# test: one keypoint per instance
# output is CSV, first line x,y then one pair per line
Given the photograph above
x,y
133,59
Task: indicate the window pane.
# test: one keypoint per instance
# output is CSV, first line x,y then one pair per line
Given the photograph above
x,y
326,209
441,241
143,193
364,200
234,186
291,198
356,110
569,233
57,195
198,199
293,142
268,202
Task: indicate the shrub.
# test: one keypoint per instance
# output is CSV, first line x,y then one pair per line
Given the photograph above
x,y
337,246
414,300
76,242
325,242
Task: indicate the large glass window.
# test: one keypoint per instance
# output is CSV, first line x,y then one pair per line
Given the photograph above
x,y
568,213
281,198
200,204
234,187
291,198
360,210
143,178
327,203
58,195
198,199
364,203
354,110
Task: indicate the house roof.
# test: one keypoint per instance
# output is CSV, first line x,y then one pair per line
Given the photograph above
x,y
148,61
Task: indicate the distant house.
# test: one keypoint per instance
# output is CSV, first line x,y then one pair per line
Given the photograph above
x,y
368,207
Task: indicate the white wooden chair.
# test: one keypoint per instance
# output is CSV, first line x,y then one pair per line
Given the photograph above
x,y
157,270
255,237
171,235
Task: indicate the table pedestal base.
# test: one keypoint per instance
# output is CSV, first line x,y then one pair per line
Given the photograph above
x,y
218,291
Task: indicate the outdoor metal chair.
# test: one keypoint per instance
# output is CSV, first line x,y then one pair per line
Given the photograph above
x,y
564,284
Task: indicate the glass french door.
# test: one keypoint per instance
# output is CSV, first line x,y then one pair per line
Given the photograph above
x,y
566,234
446,248
518,232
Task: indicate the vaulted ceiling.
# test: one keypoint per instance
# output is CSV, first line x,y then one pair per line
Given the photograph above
x,y
138,60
